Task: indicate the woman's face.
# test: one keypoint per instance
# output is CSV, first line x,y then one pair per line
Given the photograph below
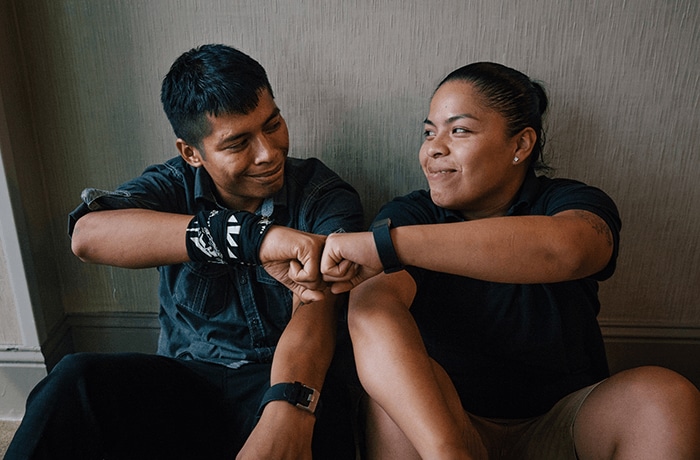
x,y
467,156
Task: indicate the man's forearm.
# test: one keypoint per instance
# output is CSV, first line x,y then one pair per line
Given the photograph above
x,y
306,347
131,238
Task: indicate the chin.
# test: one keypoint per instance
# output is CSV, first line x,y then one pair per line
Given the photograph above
x,y
436,198
276,186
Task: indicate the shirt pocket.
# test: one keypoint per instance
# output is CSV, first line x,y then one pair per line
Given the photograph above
x,y
264,277
203,288
276,304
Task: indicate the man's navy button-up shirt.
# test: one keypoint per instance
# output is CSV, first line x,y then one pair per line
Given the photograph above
x,y
228,314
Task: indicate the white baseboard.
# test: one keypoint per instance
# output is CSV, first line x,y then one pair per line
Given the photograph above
x,y
20,371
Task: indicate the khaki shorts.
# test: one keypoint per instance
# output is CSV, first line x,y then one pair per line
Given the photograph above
x,y
547,437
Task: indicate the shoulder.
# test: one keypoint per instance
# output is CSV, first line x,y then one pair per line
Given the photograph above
x,y
313,178
175,169
319,198
303,170
559,195
556,195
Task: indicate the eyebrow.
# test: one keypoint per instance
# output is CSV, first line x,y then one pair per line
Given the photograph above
x,y
452,119
234,137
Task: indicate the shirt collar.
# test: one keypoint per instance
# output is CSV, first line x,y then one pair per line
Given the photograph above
x,y
204,190
523,200
527,194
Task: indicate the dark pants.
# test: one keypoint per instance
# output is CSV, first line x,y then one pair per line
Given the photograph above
x,y
132,406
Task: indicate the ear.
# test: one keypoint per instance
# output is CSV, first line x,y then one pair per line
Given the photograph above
x,y
189,153
525,142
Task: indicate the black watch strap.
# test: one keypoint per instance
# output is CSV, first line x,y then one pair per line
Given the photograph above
x,y
385,246
296,393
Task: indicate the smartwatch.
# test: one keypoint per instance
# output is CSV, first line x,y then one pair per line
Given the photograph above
x,y
385,246
296,394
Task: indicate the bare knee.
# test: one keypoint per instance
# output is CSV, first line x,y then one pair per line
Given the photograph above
x,y
640,413
660,393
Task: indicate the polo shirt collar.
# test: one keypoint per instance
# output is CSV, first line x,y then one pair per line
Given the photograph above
x,y
525,198
527,194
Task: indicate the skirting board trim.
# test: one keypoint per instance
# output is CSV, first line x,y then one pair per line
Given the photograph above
x,y
627,345
650,332
20,371
609,329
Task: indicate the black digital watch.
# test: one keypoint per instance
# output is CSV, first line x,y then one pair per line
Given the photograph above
x,y
385,246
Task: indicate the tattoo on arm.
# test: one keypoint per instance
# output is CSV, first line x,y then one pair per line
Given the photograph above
x,y
598,225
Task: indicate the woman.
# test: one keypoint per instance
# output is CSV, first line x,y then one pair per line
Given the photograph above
x,y
487,344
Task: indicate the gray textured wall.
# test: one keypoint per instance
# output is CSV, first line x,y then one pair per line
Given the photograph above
x,y
353,78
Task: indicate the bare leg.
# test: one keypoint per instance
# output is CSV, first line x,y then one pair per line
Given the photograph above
x,y
383,438
644,413
399,376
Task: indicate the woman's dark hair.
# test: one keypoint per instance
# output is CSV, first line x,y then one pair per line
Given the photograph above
x,y
521,101
210,80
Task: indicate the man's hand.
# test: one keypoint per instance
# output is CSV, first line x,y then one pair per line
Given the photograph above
x,y
292,257
284,432
349,259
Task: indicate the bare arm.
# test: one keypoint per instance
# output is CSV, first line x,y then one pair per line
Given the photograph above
x,y
141,238
524,249
303,354
131,238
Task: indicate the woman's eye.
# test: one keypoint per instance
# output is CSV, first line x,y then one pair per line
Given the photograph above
x,y
460,130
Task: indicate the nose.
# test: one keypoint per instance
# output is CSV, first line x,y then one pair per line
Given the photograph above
x,y
436,147
265,150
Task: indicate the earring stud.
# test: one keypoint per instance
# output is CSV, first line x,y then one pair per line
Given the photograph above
x,y
516,159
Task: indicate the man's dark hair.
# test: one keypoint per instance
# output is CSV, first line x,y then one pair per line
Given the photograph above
x,y
210,80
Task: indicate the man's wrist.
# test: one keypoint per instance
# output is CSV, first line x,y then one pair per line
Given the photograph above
x,y
297,394
223,236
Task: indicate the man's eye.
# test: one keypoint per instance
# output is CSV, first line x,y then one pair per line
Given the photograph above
x,y
460,130
428,133
273,127
237,146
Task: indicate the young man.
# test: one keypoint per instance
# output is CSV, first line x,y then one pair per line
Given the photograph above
x,y
236,229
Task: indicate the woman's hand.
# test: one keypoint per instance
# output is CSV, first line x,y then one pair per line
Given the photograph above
x,y
349,259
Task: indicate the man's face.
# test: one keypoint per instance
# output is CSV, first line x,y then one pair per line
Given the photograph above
x,y
245,154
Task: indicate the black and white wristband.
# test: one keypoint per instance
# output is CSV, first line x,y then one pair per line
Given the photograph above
x,y
381,230
296,394
222,236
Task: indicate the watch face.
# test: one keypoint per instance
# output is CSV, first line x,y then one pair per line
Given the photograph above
x,y
305,397
383,222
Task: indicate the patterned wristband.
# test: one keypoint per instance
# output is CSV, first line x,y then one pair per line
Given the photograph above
x,y
224,237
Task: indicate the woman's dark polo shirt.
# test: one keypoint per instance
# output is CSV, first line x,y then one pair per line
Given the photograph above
x,y
512,350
